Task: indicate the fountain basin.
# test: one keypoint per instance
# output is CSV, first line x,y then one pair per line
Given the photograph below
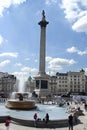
x,y
21,101
21,105
40,124
58,116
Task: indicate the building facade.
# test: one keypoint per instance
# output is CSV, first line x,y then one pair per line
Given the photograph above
x,y
63,83
7,84
70,82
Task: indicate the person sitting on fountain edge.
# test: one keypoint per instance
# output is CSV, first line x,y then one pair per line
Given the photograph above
x,y
35,119
46,119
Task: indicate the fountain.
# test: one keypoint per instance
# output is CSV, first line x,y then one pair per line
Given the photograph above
x,y
16,108
20,100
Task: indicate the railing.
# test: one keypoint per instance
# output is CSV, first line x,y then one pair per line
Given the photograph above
x,y
3,100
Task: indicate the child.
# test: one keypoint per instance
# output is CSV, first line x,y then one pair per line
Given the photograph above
x,y
7,123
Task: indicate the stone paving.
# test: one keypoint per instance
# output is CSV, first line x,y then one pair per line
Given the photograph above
x,y
81,126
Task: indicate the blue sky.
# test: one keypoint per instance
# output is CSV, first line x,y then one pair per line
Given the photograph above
x,y
66,36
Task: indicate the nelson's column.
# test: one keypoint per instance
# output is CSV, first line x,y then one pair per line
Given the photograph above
x,y
42,79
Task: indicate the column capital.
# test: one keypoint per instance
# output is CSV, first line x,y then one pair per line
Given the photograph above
x,y
43,22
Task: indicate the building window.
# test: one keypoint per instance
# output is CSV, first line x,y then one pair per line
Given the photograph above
x,y
65,77
78,82
70,90
70,86
65,81
78,86
44,84
78,90
74,90
74,86
37,84
82,90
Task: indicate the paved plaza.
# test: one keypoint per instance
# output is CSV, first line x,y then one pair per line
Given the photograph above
x,y
81,126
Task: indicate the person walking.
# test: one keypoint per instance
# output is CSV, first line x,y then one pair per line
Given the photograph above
x,y
75,116
7,123
70,122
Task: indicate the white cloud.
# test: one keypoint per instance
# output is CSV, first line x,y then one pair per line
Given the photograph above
x,y
48,59
76,13
49,2
11,54
1,39
52,72
25,72
18,64
72,49
21,75
4,63
28,69
7,3
59,63
84,2
17,1
75,50
71,9
80,25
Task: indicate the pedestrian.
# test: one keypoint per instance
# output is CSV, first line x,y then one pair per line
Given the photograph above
x,y
75,117
7,123
46,119
70,122
35,119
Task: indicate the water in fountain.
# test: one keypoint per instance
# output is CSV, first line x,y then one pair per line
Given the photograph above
x,y
21,86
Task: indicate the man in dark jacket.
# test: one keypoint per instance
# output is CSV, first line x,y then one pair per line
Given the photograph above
x,y
70,122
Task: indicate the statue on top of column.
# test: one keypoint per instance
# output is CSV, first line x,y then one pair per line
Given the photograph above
x,y
43,15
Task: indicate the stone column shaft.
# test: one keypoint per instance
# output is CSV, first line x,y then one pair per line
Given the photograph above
x,y
42,50
42,24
